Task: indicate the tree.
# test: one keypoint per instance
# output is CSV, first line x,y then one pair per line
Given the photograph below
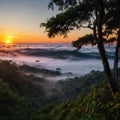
x,y
113,25
87,14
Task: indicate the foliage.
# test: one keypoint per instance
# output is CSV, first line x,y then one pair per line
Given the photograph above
x,y
91,104
19,82
112,17
85,40
72,18
26,68
63,4
12,106
88,14
36,89
97,104
72,87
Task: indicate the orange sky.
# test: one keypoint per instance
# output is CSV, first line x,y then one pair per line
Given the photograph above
x,y
20,21
28,37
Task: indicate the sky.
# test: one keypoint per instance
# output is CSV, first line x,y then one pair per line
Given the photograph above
x,y
20,22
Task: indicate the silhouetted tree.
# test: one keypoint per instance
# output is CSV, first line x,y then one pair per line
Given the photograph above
x,y
86,14
113,25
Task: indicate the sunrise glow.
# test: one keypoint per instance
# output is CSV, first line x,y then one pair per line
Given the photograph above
x,y
8,39
17,27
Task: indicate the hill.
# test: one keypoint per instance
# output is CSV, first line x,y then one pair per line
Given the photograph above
x,y
27,97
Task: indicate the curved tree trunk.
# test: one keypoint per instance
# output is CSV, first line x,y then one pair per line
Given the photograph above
x,y
105,62
99,19
107,70
106,66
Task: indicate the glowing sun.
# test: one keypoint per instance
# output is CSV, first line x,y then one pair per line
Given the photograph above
x,y
8,40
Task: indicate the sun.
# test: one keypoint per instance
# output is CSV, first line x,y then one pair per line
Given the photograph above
x,y
8,40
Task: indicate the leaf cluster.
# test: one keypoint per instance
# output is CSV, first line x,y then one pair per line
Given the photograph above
x,y
72,18
97,104
63,4
85,40
84,14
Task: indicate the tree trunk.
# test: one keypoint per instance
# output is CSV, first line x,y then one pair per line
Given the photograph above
x,y
106,66
102,51
107,70
116,59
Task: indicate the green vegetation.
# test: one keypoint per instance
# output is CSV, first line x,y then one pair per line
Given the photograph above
x,y
24,85
25,97
72,87
12,105
34,88
30,69
98,104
